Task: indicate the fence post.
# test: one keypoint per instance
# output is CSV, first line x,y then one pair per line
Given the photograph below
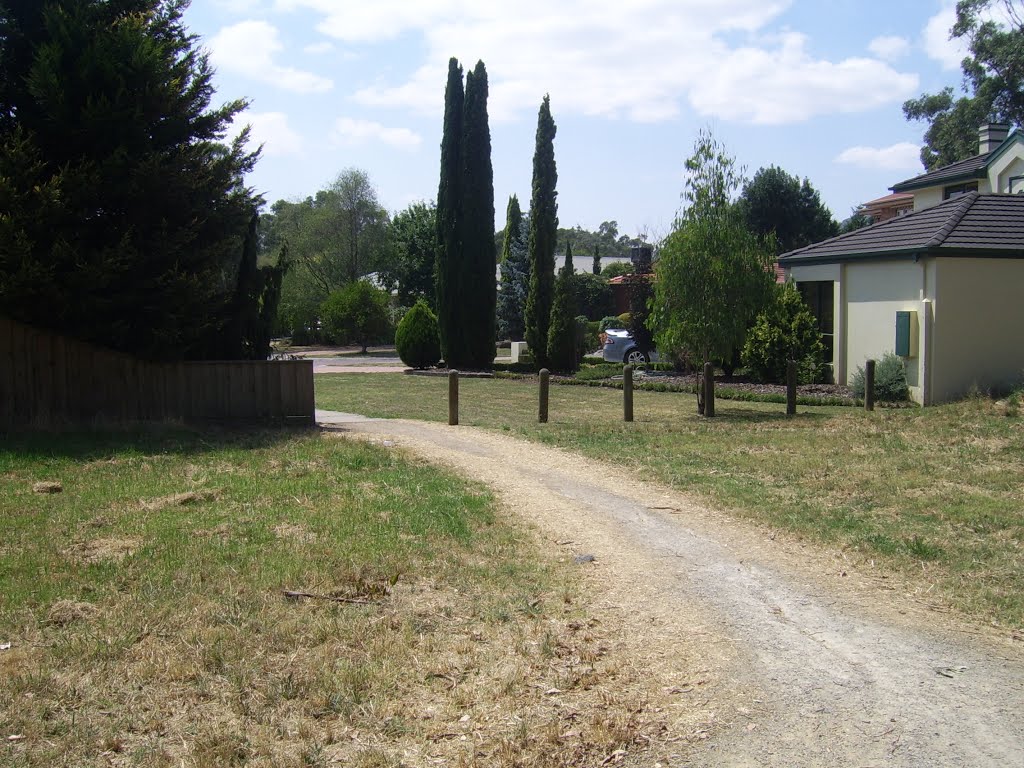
x,y
709,389
791,388
869,385
543,413
627,393
453,398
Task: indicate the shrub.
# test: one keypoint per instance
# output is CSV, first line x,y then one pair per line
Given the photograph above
x,y
890,380
587,336
593,294
417,339
356,313
616,269
785,330
611,321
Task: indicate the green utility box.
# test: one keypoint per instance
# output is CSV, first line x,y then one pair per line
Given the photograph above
x,y
906,334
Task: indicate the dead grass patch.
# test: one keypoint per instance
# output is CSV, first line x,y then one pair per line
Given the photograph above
x,y
64,612
177,500
98,550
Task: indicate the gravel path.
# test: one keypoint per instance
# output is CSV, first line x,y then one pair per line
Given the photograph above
x,y
808,660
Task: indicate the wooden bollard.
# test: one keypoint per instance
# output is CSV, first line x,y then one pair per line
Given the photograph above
x,y
791,388
543,411
709,389
453,398
869,385
627,393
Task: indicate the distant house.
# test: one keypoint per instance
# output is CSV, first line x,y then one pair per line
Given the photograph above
x,y
940,287
888,207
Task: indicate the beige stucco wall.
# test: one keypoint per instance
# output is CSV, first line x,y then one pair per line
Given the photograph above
x,y
1010,164
875,292
979,317
926,198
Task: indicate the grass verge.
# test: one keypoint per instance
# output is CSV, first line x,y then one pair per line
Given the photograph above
x,y
933,492
144,575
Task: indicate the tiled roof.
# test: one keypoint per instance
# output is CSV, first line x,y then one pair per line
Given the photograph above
x,y
972,224
971,168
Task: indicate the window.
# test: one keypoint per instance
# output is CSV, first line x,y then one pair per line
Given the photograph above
x,y
1016,185
819,296
959,189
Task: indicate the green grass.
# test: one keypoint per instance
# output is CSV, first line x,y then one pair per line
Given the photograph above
x,y
149,627
933,492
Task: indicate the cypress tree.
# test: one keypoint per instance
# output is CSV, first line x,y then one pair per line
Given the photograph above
x,y
597,259
568,267
562,355
476,304
449,217
513,226
543,229
515,275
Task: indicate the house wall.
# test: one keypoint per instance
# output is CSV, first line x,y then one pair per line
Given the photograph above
x,y
978,319
926,198
875,292
1010,164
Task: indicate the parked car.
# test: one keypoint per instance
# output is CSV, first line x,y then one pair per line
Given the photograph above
x,y
619,347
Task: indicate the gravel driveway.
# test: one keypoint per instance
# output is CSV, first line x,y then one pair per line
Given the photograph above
x,y
810,660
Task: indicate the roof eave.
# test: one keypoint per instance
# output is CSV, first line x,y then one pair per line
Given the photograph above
x,y
910,186
906,254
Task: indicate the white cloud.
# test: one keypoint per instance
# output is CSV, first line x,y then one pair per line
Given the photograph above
x,y
270,129
786,85
936,40
248,48
353,131
319,48
889,47
902,156
639,60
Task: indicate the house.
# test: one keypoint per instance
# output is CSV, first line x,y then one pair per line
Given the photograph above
x,y
940,287
998,167
888,207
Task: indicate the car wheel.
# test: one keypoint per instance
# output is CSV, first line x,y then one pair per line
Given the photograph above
x,y
635,356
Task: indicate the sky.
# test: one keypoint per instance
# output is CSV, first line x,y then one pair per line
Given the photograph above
x,y
814,87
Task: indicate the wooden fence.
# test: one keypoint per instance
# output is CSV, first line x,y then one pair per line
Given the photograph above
x,y
47,380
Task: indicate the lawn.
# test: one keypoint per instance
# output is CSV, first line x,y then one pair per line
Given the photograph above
x,y
935,493
145,620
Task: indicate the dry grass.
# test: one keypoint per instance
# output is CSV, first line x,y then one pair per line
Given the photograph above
x,y
933,493
159,634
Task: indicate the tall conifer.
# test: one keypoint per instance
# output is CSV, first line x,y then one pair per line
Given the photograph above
x,y
476,303
515,275
543,229
449,217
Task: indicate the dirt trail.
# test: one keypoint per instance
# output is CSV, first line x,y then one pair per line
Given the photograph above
x,y
810,662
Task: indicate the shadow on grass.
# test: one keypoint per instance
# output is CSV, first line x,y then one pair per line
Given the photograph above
x,y
89,445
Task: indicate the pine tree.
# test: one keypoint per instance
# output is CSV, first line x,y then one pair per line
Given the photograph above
x,y
543,229
124,212
449,217
515,275
476,304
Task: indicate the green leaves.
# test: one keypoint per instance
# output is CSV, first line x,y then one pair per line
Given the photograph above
x,y
543,231
713,274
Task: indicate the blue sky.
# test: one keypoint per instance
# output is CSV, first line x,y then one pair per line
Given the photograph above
x,y
812,86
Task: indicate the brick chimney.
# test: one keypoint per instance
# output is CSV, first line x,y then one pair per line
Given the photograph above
x,y
991,135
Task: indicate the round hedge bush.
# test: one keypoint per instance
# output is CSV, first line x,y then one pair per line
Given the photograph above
x,y
417,339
